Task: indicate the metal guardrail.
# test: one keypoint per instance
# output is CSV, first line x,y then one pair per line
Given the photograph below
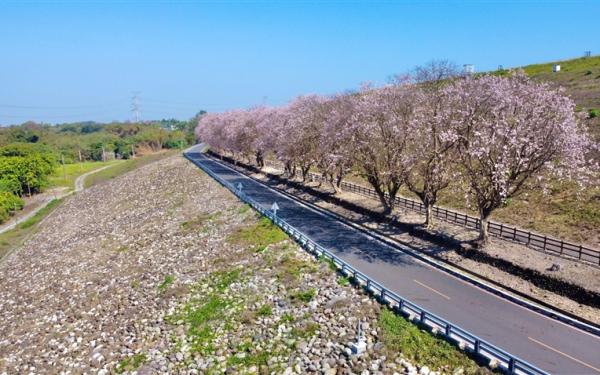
x,y
535,241
453,333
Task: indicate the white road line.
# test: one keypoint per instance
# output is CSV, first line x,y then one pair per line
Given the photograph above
x,y
564,354
430,288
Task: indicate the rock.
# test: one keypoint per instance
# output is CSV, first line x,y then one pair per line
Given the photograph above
x,y
554,267
424,370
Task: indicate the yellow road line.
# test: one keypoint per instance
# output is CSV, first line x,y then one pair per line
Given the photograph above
x,y
564,354
430,288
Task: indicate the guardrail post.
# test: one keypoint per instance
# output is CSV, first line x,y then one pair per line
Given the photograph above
x,y
476,346
448,330
423,316
511,366
382,294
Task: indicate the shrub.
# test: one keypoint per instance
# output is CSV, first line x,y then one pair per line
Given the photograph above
x,y
8,204
593,113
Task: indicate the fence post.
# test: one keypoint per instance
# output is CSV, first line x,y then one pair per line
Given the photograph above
x,y
561,247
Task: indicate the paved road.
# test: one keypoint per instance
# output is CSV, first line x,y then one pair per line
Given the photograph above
x,y
546,343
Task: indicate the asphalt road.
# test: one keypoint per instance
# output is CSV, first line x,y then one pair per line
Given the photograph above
x,y
548,344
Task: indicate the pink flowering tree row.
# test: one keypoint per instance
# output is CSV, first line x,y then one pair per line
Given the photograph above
x,y
497,136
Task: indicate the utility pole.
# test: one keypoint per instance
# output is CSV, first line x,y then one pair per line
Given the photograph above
x,y
132,152
103,155
135,106
80,162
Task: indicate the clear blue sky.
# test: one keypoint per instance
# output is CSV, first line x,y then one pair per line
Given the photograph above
x,y
70,61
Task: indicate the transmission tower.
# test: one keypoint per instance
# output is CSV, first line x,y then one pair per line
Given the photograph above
x,y
135,106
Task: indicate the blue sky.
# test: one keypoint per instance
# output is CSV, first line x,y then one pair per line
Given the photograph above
x,y
69,61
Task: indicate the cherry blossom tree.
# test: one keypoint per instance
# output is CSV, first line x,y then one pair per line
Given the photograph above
x,y
510,132
335,144
298,142
432,143
381,131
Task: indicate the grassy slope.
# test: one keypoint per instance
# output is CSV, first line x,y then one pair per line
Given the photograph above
x,y
73,171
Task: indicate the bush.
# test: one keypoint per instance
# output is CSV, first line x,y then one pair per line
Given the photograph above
x,y
8,204
593,113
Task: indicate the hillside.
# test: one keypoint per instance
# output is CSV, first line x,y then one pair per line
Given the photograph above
x,y
581,80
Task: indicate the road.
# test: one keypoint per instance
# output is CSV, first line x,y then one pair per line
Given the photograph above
x,y
546,343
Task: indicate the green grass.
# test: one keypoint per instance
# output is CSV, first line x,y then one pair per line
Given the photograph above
x,y
258,236
131,363
304,295
57,179
167,282
343,281
204,314
265,310
14,238
125,166
419,346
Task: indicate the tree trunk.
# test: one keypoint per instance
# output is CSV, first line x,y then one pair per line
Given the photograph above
x,y
428,215
304,171
260,162
484,237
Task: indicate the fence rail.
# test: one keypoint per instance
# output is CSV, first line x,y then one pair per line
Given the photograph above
x,y
462,338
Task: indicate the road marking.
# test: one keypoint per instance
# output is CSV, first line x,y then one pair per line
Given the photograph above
x,y
430,288
564,354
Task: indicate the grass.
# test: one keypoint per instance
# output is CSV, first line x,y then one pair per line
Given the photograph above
x,y
205,314
57,179
417,345
304,295
258,236
14,238
343,281
167,282
199,222
131,363
125,166
265,310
